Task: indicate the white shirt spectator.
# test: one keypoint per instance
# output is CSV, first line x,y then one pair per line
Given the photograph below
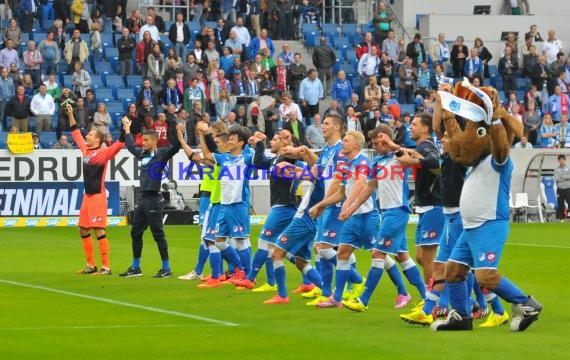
x,y
42,105
242,34
519,145
285,110
152,29
551,49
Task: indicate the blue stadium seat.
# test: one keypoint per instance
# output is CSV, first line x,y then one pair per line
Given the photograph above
x,y
111,53
342,44
126,95
105,95
523,84
349,30
48,139
103,68
493,70
339,61
107,39
168,24
116,112
134,81
96,82
195,29
211,24
330,30
67,81
25,38
349,70
39,37
407,108
114,81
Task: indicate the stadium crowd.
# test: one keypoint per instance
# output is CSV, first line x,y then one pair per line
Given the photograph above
x,y
220,63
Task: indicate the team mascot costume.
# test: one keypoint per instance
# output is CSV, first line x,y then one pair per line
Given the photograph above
x,y
482,144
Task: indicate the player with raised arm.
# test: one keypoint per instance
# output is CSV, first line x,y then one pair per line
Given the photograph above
x,y
149,210
93,212
283,204
392,193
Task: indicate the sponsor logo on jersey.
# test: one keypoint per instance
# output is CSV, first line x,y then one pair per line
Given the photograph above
x,y
432,234
283,239
268,232
491,256
388,242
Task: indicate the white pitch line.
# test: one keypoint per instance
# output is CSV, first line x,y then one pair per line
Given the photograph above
x,y
120,303
541,245
95,327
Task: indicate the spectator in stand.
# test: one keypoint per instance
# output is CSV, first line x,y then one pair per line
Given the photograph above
x,y
372,91
151,28
474,66
143,50
511,102
310,93
314,134
354,122
161,127
267,63
76,50
324,59
133,116
558,104
158,20
386,69
19,108
126,45
286,55
440,52
285,26
334,108
223,106
540,76
548,134
81,114
365,47
179,35
62,143
399,134
563,132
28,83
423,81
557,66
295,126
393,104
81,80
508,67
242,32
26,14
562,176
391,46
341,89
416,51
50,54
58,34
14,73
484,55
61,10
297,72
511,42
523,144
562,81
551,47
438,76
459,54
368,64
36,140
531,122
534,34
258,43
8,55
135,22
156,67
382,21
279,75
408,78
102,119
217,85
211,52
227,60
13,33
43,108
91,104
266,85
7,90
171,95
32,62
530,60
146,92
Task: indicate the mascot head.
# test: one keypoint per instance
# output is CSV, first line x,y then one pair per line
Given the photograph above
x,y
479,107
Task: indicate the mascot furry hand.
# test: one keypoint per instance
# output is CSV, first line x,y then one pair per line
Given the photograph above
x,y
489,128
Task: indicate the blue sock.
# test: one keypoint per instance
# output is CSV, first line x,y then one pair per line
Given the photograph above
x,y
342,274
413,275
510,292
215,261
221,265
326,275
280,278
479,296
269,271
495,302
136,263
458,298
444,297
313,276
354,277
259,259
307,281
231,256
431,301
397,280
166,264
203,254
245,259
374,276
470,284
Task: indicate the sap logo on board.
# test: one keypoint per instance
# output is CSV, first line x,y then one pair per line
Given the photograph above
x,y
10,222
32,222
53,222
113,221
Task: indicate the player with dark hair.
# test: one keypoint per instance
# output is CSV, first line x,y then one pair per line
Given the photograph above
x,y
93,212
151,204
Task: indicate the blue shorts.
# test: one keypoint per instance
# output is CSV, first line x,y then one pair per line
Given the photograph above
x,y
204,203
211,219
331,226
360,230
233,221
392,238
277,221
430,227
453,230
481,247
298,237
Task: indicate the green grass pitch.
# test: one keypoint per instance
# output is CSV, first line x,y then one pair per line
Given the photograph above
x,y
47,311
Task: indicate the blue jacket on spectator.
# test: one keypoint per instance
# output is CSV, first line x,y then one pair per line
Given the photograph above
x,y
255,46
341,91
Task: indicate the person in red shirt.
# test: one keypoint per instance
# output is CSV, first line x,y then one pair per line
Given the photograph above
x,y
161,127
93,212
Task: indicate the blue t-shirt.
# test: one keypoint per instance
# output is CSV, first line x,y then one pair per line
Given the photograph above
x,y
234,177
